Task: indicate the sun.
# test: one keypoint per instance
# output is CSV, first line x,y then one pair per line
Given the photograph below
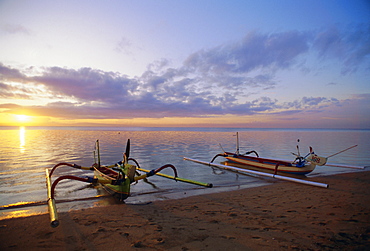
x,y
23,118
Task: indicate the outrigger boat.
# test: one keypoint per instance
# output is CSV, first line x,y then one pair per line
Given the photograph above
x,y
300,165
116,178
271,167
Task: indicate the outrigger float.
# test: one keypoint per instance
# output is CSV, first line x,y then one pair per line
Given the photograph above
x,y
116,178
301,165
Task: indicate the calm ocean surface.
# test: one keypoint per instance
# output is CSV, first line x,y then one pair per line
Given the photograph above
x,y
25,153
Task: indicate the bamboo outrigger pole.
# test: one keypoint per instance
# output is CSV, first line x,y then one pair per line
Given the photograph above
x,y
312,183
178,178
54,220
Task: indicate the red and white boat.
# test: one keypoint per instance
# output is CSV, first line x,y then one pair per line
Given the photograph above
x,y
301,165
271,167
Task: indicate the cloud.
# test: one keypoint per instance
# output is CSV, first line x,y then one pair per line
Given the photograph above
x,y
351,46
353,112
124,46
282,50
255,51
310,103
15,85
95,94
10,74
86,84
14,29
332,83
9,106
15,92
98,94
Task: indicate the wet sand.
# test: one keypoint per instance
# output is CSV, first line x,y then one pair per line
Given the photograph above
x,y
281,216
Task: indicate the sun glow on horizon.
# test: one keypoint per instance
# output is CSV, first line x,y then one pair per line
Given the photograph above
x,y
23,118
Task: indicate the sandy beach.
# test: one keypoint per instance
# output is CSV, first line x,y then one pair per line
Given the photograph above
x,y
281,216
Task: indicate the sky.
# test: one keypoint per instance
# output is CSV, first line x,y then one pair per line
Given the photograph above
x,y
185,63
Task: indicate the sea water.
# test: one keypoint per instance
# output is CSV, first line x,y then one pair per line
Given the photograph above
x,y
25,153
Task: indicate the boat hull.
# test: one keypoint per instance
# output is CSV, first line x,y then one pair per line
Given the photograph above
x,y
106,176
268,164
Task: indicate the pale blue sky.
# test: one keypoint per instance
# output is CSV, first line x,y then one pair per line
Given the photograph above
x,y
261,61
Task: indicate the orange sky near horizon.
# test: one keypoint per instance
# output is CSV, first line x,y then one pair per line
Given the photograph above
x,y
232,121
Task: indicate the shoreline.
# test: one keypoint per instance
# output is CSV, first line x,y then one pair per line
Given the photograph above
x,y
281,216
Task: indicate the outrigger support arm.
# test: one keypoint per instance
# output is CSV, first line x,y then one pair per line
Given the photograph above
x,y
218,155
252,152
70,177
70,165
155,171
225,155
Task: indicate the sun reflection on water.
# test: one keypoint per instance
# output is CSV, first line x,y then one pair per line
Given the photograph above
x,y
8,214
22,139
18,213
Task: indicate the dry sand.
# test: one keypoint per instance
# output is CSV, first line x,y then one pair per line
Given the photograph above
x,y
281,216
